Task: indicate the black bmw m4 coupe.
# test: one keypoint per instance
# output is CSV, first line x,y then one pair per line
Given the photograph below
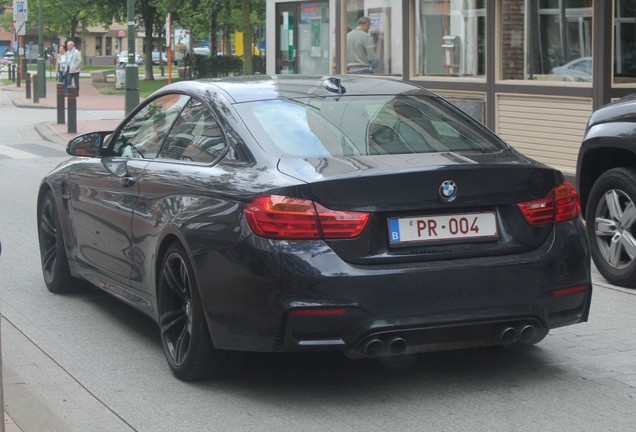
x,y
308,213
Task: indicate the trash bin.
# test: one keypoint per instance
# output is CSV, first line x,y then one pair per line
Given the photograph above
x,y
120,77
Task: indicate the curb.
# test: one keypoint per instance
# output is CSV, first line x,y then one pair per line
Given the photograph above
x,y
47,134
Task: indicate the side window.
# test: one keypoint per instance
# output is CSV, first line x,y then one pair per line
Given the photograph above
x,y
196,136
143,135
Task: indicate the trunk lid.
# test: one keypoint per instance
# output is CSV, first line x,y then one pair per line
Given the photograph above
x,y
395,187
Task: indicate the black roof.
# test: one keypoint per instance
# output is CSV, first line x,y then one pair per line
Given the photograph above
x,y
263,87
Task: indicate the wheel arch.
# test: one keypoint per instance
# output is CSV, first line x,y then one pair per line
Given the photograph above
x,y
170,238
44,189
599,155
164,245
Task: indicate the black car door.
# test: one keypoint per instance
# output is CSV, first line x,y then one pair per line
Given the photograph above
x,y
105,195
178,186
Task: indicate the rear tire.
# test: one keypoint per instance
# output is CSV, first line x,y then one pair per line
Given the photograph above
x,y
55,270
184,332
611,226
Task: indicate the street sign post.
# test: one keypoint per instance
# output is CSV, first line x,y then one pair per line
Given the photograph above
x,y
20,15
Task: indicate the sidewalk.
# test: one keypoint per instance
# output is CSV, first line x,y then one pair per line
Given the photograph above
x,y
89,99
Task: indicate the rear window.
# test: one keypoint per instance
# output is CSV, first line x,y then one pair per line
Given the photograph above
x,y
364,125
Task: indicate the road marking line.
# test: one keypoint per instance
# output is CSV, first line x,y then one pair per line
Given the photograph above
x,y
15,153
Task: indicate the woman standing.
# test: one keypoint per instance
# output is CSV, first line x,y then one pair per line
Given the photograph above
x,y
60,64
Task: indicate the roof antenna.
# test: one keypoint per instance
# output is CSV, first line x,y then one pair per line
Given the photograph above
x,y
333,84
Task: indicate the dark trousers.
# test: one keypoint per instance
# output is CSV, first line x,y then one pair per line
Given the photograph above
x,y
72,78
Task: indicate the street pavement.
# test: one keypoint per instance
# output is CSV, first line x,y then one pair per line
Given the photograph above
x,y
110,111
85,362
89,100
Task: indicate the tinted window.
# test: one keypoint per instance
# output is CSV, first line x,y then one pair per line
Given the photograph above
x,y
143,135
195,136
365,126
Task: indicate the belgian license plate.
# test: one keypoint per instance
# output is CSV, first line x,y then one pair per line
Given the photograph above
x,y
462,226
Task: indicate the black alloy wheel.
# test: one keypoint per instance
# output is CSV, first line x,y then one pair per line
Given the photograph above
x,y
55,269
184,333
611,226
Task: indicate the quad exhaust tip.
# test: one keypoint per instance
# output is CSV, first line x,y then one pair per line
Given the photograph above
x,y
395,345
524,333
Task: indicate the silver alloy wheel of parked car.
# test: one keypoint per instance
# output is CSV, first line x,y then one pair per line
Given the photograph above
x,y
611,226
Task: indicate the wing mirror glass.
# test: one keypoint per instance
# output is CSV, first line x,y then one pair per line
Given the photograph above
x,y
88,144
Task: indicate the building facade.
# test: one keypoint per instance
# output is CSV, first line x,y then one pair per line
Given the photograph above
x,y
531,70
6,37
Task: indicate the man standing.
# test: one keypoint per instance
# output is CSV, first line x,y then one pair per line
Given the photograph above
x,y
361,48
74,62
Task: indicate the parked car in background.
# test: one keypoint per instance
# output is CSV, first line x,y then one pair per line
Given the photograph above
x,y
159,58
4,64
202,51
606,179
122,59
308,213
577,70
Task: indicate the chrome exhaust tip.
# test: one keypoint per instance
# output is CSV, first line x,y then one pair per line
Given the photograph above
x,y
508,335
397,345
527,333
374,348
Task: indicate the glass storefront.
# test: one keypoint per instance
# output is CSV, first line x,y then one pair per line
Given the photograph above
x,y
374,37
451,37
547,40
303,38
625,41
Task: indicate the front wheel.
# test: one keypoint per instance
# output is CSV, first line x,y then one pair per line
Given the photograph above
x,y
611,226
55,268
184,333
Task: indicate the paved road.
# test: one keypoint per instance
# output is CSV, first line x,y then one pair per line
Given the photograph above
x,y
84,361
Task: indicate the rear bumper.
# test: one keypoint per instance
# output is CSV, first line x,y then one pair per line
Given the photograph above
x,y
291,297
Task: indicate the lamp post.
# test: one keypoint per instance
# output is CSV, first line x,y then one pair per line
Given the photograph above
x,y
132,74
41,66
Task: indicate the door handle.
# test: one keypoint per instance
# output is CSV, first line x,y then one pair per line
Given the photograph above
x,y
127,180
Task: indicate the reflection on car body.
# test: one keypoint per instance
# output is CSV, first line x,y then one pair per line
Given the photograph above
x,y
293,213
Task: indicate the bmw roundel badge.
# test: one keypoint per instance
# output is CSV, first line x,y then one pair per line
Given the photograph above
x,y
448,191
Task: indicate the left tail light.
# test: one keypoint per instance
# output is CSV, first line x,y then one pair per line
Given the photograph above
x,y
560,205
281,217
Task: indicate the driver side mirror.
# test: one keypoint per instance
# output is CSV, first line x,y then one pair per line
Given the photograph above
x,y
87,145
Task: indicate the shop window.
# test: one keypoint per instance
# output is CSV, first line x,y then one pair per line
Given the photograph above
x,y
548,40
374,37
109,46
313,38
625,41
450,38
303,38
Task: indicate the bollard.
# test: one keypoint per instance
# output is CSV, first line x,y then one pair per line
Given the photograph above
x,y
27,83
60,103
17,78
36,90
12,72
72,110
